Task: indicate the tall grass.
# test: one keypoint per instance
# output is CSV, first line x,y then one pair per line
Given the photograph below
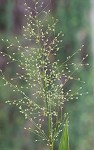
x,y
42,98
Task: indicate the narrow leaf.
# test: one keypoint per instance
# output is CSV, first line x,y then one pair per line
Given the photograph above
x,y
64,141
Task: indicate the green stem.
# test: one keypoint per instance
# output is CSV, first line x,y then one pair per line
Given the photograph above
x,y
46,99
51,147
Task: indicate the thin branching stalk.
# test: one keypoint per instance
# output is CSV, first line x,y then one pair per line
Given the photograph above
x,y
42,98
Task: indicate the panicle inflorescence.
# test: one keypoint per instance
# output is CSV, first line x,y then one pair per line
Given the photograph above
x,y
42,97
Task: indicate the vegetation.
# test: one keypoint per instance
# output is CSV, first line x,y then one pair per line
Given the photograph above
x,y
40,93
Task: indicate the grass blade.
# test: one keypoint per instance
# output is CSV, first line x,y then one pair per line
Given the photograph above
x,y
64,141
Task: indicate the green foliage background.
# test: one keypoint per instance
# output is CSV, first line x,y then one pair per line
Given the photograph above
x,y
73,20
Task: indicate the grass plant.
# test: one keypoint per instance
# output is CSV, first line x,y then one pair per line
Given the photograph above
x,y
42,98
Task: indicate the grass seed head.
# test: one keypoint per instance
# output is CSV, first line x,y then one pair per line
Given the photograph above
x,y
40,79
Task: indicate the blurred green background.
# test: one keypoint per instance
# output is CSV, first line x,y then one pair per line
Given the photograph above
x,y
75,21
